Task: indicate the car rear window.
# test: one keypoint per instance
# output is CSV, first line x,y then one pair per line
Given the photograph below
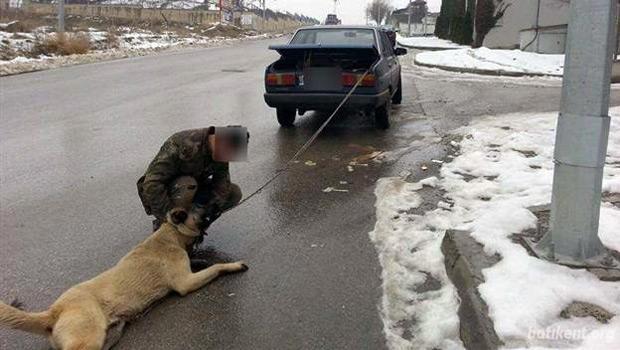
x,y
335,37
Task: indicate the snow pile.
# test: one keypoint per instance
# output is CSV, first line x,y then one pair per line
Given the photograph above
x,y
427,43
409,253
14,42
4,26
484,60
505,165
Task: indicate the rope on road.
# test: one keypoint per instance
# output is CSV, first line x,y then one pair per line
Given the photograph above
x,y
308,143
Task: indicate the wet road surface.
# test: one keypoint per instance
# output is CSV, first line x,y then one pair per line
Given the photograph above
x,y
73,141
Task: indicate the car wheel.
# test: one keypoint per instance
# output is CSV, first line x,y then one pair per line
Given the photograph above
x,y
286,116
382,116
398,96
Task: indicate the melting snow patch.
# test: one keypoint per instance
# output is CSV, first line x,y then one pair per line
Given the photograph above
x,y
505,166
409,253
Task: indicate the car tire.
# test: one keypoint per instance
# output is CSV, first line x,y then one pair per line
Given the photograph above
x,y
398,96
382,116
286,117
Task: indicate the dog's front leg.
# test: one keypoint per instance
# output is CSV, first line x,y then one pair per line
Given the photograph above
x,y
189,282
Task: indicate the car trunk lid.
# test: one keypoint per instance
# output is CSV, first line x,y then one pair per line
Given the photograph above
x,y
320,68
301,49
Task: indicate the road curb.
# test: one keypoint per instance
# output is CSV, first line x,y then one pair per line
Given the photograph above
x,y
429,48
465,259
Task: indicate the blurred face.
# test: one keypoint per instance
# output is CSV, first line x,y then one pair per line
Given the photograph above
x,y
229,144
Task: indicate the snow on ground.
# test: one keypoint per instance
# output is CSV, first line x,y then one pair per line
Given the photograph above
x,y
178,5
409,254
488,187
427,42
131,42
413,71
486,60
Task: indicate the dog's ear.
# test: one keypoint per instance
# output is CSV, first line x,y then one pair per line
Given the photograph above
x,y
178,216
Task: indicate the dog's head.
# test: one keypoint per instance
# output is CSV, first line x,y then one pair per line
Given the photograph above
x,y
184,222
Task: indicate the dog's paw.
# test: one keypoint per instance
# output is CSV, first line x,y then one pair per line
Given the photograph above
x,y
16,303
243,267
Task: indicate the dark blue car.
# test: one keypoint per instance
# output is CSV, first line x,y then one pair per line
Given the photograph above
x,y
320,66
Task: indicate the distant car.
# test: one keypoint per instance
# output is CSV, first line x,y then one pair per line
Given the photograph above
x,y
320,66
332,20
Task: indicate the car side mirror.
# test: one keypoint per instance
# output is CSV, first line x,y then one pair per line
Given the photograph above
x,y
399,51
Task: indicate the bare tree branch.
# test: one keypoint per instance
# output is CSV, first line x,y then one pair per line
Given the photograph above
x,y
379,10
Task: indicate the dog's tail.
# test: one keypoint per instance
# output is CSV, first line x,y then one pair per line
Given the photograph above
x,y
34,322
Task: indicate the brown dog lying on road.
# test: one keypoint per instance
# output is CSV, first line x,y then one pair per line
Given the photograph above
x,y
88,313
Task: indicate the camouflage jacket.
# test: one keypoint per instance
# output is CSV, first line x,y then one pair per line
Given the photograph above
x,y
185,153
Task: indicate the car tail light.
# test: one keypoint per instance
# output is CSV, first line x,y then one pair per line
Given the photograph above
x,y
281,79
369,80
350,79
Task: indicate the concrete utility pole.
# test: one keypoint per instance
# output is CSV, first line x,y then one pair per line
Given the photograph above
x,y
409,20
264,11
618,33
221,12
61,16
582,134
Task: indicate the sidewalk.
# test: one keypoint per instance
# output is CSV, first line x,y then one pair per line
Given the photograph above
x,y
499,167
493,62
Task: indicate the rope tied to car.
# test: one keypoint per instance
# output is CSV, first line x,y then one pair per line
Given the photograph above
x,y
308,143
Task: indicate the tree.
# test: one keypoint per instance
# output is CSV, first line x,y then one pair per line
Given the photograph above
x,y
487,16
449,22
455,21
442,27
379,10
467,31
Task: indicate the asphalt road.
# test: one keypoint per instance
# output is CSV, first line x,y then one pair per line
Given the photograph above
x,y
73,142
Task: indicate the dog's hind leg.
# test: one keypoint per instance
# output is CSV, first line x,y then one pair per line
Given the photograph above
x,y
115,332
81,328
186,282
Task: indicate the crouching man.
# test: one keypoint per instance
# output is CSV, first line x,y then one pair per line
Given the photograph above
x,y
191,171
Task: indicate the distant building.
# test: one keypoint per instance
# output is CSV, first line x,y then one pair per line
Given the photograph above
x,y
8,4
532,25
422,22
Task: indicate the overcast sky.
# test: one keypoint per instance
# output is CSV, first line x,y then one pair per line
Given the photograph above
x,y
350,11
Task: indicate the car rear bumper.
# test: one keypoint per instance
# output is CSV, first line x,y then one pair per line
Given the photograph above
x,y
320,101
